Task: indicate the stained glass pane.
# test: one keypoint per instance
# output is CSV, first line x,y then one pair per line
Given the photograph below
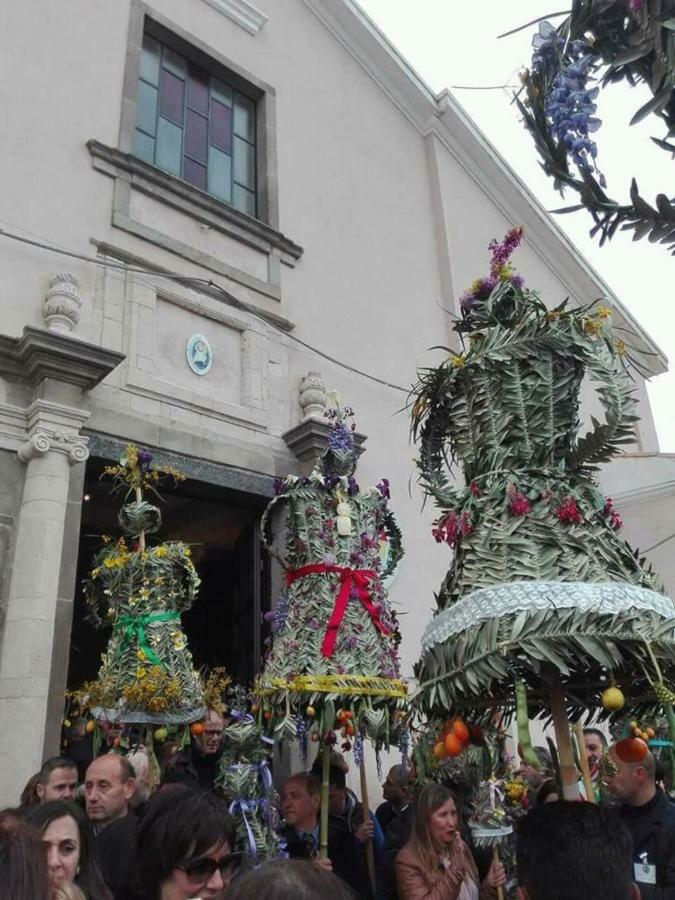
x,y
144,147
244,163
198,89
149,67
194,173
169,146
173,62
196,129
243,200
171,97
146,111
221,92
244,117
221,127
220,175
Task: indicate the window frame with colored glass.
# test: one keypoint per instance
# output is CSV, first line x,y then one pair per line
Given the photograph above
x,y
195,122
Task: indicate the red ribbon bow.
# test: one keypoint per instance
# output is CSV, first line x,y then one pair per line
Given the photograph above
x,y
356,579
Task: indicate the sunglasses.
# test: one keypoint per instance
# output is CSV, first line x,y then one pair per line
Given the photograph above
x,y
203,870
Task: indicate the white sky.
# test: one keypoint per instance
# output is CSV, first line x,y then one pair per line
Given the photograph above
x,y
451,43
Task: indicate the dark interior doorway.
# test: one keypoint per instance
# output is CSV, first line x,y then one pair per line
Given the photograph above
x,y
225,625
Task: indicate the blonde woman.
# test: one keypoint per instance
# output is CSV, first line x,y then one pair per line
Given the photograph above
x,y
436,864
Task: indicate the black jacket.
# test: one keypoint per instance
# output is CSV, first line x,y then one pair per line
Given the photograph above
x,y
652,827
115,848
344,852
191,768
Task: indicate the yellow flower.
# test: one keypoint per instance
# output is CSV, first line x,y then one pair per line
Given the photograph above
x,y
592,327
140,672
161,551
144,593
458,361
552,315
140,656
603,312
95,572
620,347
111,612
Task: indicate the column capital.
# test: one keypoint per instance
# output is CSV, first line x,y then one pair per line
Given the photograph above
x,y
42,442
54,426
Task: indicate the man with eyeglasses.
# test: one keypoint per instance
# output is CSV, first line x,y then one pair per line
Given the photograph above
x,y
197,767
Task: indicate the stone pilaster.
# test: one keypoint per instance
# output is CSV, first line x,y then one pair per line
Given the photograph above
x,y
56,366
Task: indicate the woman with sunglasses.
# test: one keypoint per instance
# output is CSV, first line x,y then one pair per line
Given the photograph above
x,y
186,843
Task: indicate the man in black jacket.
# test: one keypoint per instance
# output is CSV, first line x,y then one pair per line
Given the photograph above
x,y
197,766
650,818
300,805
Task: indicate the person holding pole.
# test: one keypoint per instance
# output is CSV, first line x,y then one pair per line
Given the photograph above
x,y
436,864
300,806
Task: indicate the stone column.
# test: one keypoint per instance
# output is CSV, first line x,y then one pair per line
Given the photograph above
x,y
27,640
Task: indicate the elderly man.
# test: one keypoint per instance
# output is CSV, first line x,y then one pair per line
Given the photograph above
x,y
197,767
396,793
648,815
57,780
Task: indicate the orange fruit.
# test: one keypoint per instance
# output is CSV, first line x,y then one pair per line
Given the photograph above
x,y
196,729
453,745
631,750
650,732
460,731
90,726
439,750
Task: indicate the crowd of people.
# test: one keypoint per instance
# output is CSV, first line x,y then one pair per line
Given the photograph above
x,y
107,832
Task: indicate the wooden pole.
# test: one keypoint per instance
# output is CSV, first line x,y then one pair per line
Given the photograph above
x,y
370,852
495,858
568,771
583,761
325,785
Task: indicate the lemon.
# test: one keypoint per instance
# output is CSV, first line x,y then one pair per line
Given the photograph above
x,y
613,699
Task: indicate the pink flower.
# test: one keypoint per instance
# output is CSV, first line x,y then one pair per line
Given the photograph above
x,y
569,512
474,489
450,527
615,520
520,505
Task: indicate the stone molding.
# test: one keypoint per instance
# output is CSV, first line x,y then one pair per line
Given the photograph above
x,y
241,13
39,354
308,439
62,304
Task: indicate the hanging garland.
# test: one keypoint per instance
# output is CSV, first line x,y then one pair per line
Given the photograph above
x,y
600,43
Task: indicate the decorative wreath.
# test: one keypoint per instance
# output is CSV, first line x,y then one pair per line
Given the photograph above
x,y
599,43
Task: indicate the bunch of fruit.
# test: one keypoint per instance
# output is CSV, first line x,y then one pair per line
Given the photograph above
x,y
645,734
454,738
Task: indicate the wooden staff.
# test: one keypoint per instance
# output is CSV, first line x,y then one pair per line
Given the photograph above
x,y
568,771
325,787
370,853
583,762
495,858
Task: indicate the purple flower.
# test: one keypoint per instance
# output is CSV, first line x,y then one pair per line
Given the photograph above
x,y
329,560
383,488
352,486
340,438
144,458
635,5
313,624
352,642
278,485
277,615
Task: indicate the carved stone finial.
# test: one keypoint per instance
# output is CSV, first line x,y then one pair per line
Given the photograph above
x,y
61,308
313,397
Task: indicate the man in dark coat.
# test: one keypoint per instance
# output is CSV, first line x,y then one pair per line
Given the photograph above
x,y
650,818
197,766
300,805
396,793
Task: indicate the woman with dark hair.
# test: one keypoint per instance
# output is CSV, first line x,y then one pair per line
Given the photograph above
x,y
186,845
290,879
23,866
67,842
436,864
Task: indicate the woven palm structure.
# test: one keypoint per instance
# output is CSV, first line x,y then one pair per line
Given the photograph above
x,y
542,587
140,590
334,636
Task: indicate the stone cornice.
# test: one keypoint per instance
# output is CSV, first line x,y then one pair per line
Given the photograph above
x,y
308,439
40,354
241,13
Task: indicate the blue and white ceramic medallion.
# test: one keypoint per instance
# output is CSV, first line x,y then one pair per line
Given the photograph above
x,y
199,354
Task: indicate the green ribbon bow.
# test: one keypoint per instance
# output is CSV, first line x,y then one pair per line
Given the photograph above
x,y
135,626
